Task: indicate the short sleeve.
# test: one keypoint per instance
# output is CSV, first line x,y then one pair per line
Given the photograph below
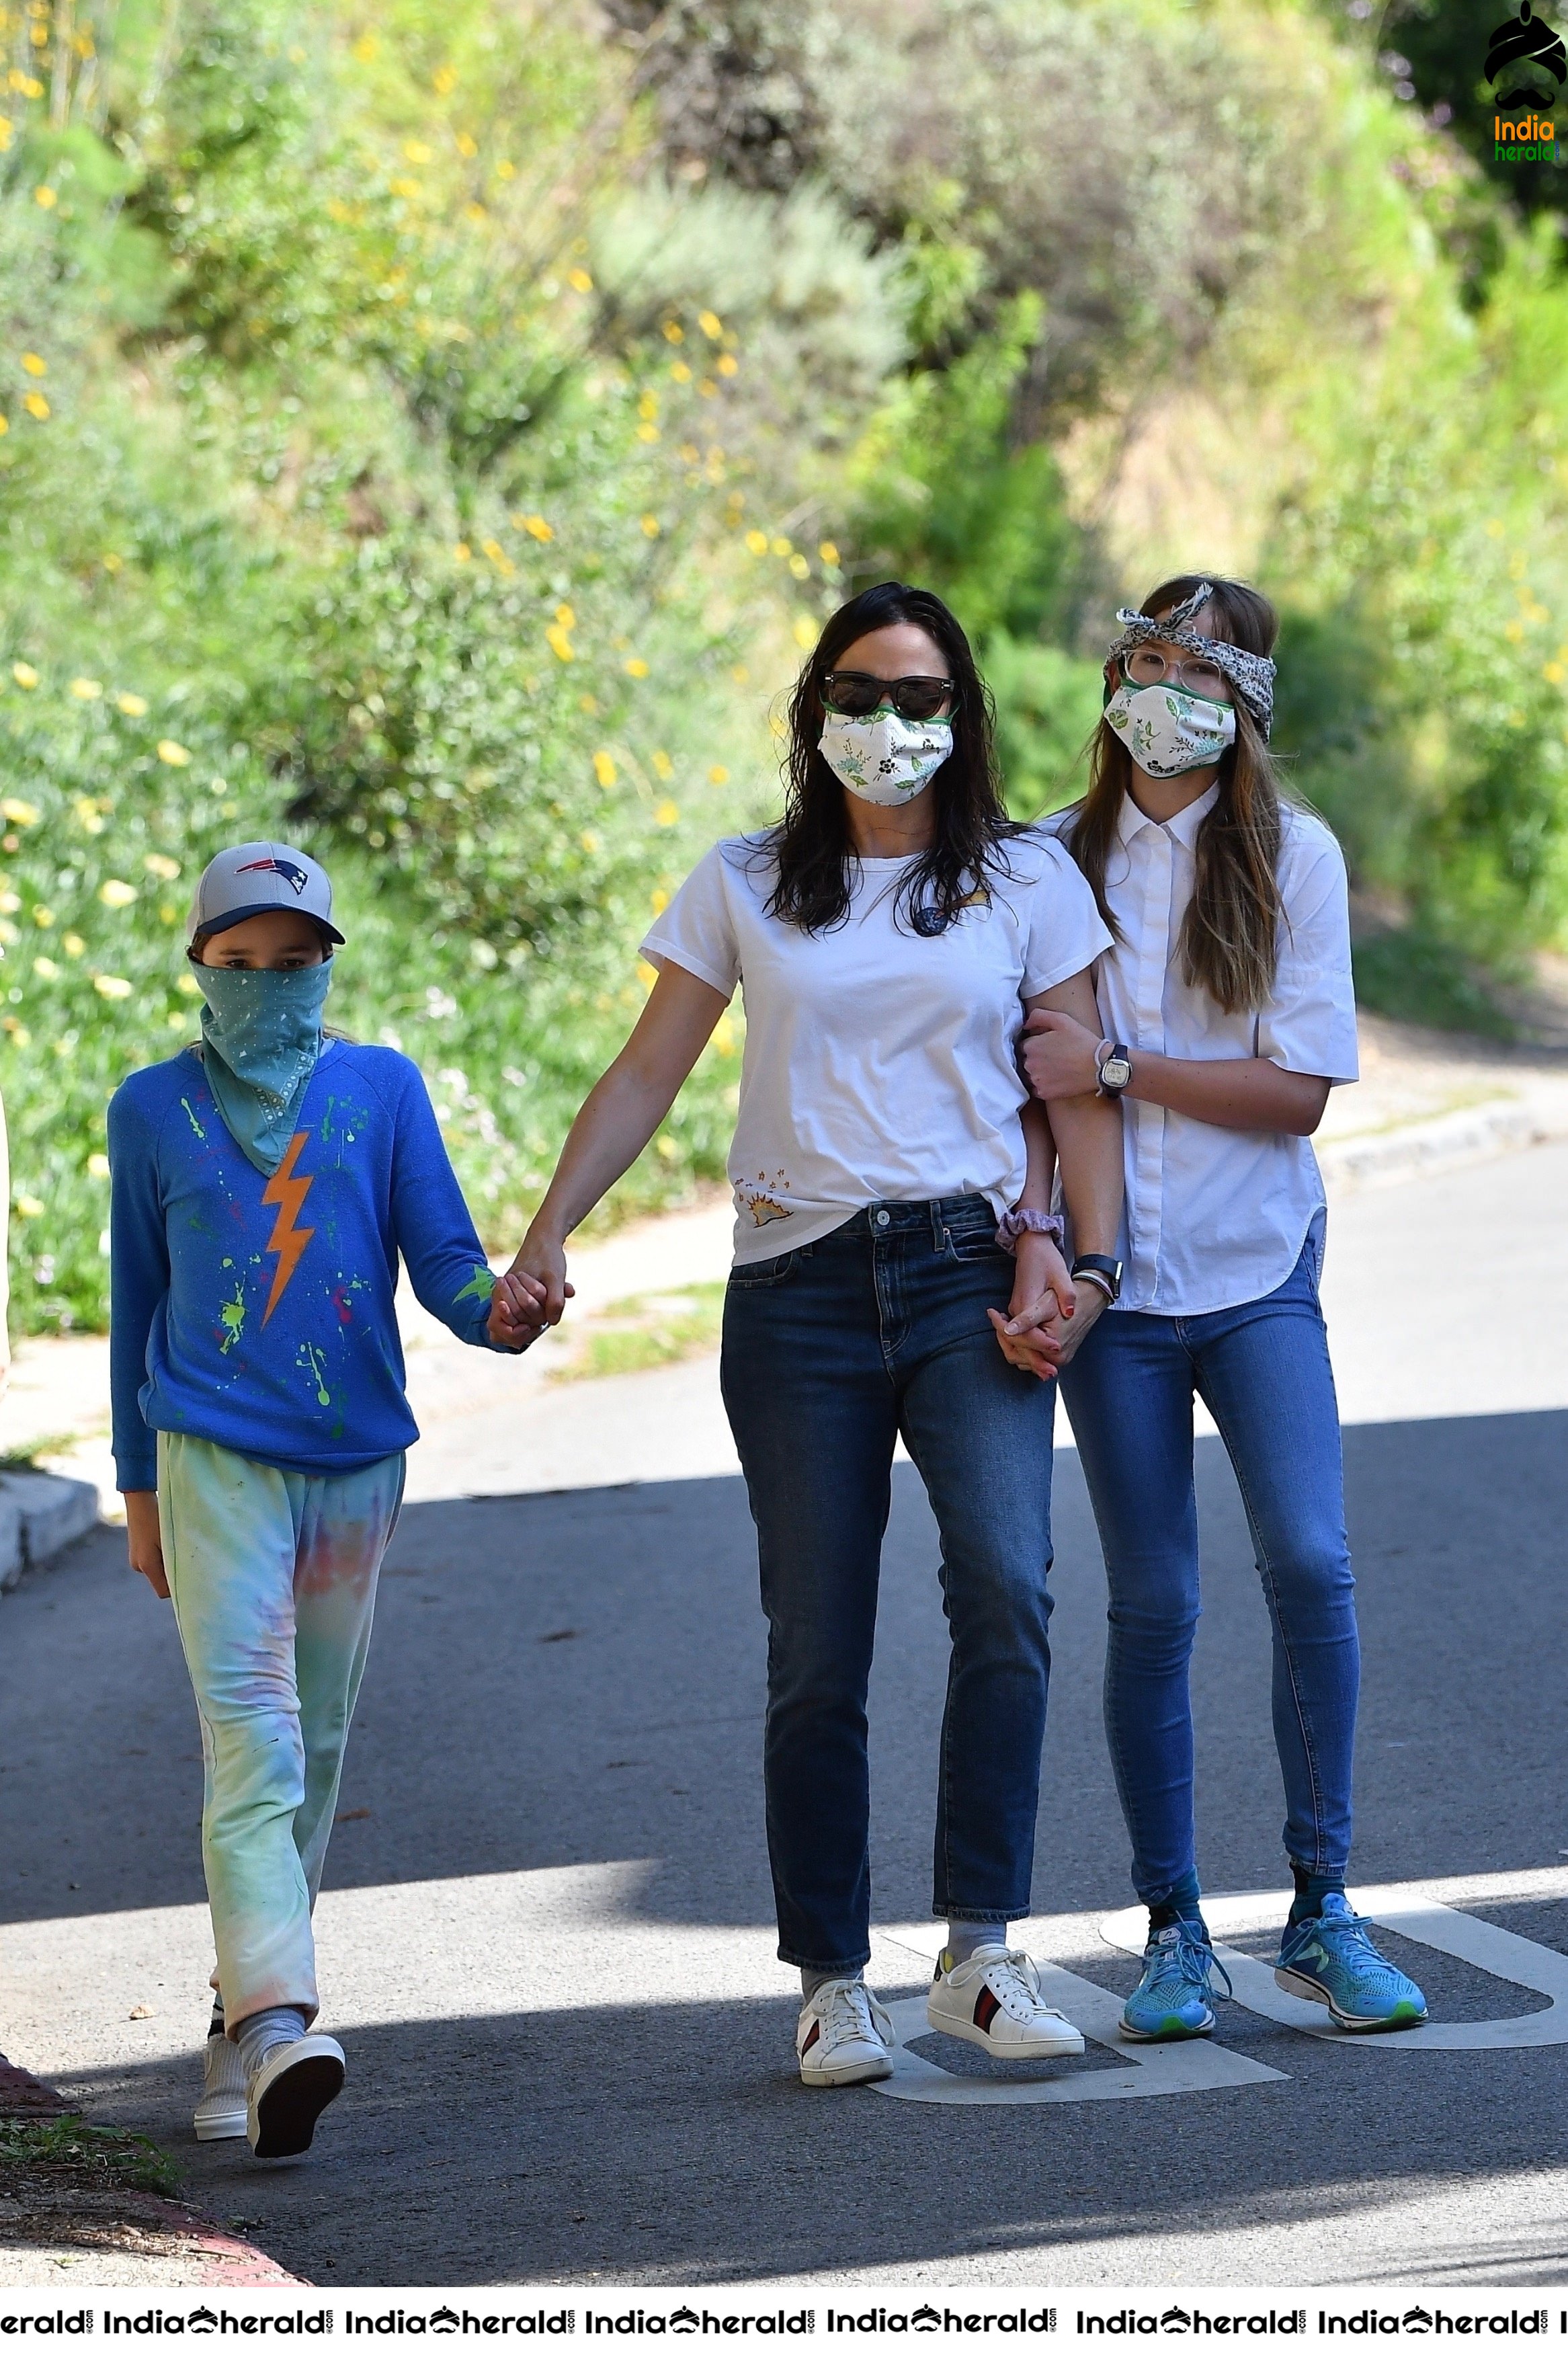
x,y
1309,1024
697,929
1064,929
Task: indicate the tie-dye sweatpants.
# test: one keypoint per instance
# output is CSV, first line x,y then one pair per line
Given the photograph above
x,y
272,1575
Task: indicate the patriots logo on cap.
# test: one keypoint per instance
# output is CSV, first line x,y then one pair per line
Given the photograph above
x,y
295,876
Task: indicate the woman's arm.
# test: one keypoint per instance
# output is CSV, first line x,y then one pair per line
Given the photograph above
x,y
1087,1131
617,1120
1059,1059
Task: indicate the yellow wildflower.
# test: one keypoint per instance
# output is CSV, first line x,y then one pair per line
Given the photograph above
x,y
443,80
604,770
681,372
75,945
19,812
173,754
717,774
580,279
36,404
9,902
417,151
45,967
740,674
1514,631
560,644
828,552
461,552
663,767
635,667
587,702
805,632
115,893
590,841
23,674
45,918
711,326
4,420
723,1038
133,705
34,364
365,47
498,556
98,1165
187,984
708,387
9,934
1554,673
47,197
86,690
690,454
782,546
650,526
505,171
667,814
648,405
757,540
536,527
406,187
674,333
87,814
646,973
28,1204
799,566
20,1036
4,132
648,432
659,901
468,145
566,617
475,212
727,364
109,984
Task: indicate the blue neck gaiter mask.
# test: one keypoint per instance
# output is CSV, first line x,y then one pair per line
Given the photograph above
x,y
261,1032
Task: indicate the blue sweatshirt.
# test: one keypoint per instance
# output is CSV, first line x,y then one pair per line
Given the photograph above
x,y
257,1311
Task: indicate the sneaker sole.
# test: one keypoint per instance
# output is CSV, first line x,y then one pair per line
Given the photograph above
x,y
1289,1982
964,2031
287,2111
866,2070
1174,2032
228,2124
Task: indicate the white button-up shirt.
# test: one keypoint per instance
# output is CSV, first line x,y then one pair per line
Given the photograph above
x,y
1216,1216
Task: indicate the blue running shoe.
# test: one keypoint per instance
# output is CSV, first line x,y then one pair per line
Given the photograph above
x,y
1333,1959
1168,2004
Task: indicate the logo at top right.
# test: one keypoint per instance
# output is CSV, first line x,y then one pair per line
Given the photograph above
x,y
1527,67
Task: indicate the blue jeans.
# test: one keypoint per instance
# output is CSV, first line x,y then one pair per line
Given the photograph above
x,y
830,1351
1262,1369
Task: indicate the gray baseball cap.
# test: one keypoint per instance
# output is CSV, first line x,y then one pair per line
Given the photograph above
x,y
255,879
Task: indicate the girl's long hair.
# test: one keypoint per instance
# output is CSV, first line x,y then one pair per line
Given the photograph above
x,y
1230,934
811,847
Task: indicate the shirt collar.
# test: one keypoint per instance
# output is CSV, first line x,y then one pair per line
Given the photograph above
x,y
1131,819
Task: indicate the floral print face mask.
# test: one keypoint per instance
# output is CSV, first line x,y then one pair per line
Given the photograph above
x,y
885,759
1168,731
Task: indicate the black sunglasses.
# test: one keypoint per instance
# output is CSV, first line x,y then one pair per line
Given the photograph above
x,y
855,694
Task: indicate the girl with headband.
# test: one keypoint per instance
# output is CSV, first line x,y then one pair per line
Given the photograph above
x,y
1225,1015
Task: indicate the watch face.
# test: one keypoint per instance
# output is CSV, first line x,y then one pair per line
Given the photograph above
x,y
1115,1070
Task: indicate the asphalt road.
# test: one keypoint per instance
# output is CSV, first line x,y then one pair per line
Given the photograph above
x,y
546,1938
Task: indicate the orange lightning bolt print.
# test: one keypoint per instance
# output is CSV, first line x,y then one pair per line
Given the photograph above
x,y
286,1193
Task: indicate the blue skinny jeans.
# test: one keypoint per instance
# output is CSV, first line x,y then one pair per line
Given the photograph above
x,y
1263,1371
829,1353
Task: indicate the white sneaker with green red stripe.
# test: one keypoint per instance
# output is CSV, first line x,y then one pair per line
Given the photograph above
x,y
993,1999
845,2036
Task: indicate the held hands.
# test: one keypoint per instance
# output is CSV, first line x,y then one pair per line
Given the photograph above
x,y
144,1540
517,1311
1059,1056
537,1276
1040,1311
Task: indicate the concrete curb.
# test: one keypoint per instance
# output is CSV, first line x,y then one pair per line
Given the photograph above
x,y
1452,1141
39,1516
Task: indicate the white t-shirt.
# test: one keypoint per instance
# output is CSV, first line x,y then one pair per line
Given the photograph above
x,y
1216,1216
879,1066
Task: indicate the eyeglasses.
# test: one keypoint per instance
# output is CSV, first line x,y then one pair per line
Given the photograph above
x,y
1145,667
855,694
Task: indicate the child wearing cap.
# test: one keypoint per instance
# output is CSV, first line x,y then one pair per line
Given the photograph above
x,y
265,1182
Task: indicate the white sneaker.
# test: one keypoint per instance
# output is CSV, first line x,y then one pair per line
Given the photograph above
x,y
221,2111
288,2091
994,1999
845,2036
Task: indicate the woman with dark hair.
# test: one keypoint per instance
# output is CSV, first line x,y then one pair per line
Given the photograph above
x,y
1225,1013
892,1183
